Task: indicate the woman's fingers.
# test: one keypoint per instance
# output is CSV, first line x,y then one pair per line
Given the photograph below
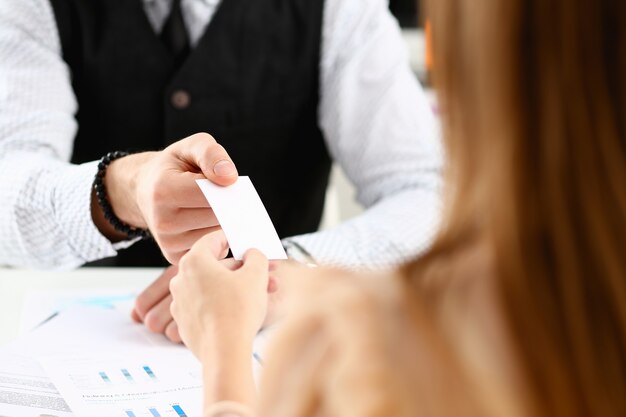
x,y
256,263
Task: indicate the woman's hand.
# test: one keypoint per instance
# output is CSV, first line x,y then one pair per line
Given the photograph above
x,y
219,305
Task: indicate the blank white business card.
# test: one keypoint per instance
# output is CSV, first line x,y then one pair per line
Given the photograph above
x,y
243,218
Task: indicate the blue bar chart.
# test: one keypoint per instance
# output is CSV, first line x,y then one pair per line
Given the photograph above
x,y
179,411
127,375
154,412
115,377
158,383
148,371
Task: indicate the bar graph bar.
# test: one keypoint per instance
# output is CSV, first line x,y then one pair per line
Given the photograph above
x,y
149,372
154,412
127,375
129,413
179,411
105,377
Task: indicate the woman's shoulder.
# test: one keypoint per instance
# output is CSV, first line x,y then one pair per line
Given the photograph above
x,y
361,336
337,288
339,340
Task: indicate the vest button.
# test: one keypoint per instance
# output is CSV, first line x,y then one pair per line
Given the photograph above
x,y
181,99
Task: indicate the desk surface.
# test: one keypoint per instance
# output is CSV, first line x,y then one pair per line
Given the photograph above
x,y
15,284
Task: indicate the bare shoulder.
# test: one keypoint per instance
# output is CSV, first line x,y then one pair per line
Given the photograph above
x,y
330,290
363,335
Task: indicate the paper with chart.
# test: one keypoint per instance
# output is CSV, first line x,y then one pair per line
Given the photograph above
x,y
105,365
155,383
25,388
243,218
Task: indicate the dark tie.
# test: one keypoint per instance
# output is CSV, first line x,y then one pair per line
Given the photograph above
x,y
174,34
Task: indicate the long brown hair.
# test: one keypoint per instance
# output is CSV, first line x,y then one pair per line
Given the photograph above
x,y
534,100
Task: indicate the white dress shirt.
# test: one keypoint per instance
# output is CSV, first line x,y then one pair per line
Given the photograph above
x,y
375,118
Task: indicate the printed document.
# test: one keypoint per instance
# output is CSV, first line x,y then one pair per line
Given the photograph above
x,y
96,362
153,383
26,391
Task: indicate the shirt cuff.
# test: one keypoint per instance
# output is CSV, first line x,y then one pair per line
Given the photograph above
x,y
298,253
72,199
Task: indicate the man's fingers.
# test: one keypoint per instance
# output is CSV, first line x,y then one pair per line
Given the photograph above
x,y
171,332
201,150
153,294
159,317
181,190
135,316
174,223
185,240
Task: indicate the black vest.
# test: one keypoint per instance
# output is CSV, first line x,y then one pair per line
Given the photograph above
x,y
252,82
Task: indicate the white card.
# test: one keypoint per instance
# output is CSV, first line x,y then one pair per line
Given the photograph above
x,y
243,218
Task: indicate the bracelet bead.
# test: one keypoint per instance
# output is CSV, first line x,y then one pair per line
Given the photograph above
x,y
103,201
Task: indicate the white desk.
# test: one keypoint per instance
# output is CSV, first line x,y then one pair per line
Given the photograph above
x,y
15,284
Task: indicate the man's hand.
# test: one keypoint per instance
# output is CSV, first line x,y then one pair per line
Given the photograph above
x,y
157,190
152,306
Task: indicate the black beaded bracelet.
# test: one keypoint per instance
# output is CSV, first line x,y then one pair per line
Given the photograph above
x,y
103,201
